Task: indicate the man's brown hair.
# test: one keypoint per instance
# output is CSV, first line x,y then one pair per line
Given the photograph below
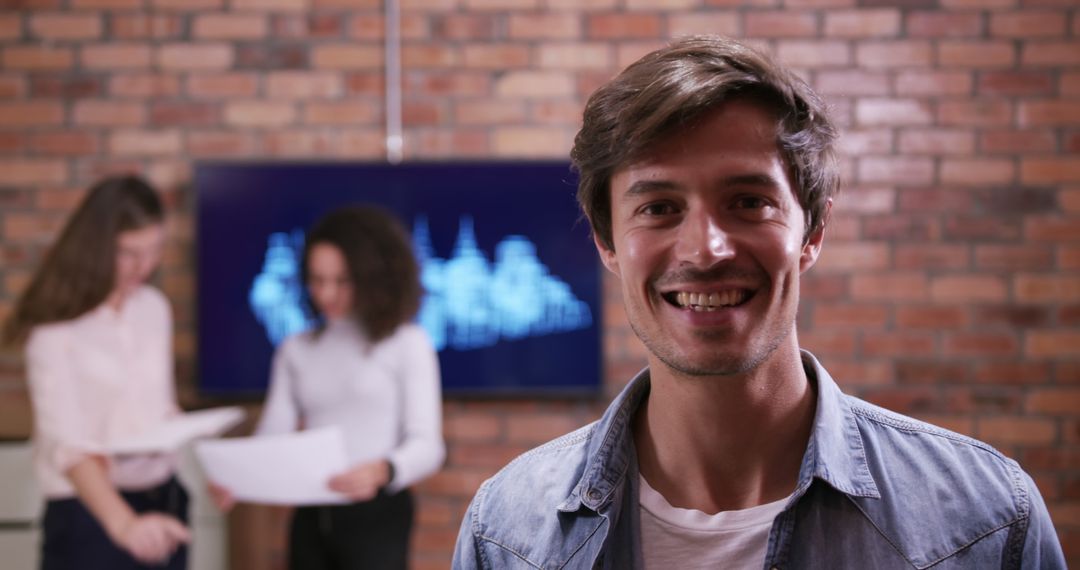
x,y
670,88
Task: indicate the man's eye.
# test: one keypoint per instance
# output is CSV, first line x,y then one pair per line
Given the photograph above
x,y
657,209
750,203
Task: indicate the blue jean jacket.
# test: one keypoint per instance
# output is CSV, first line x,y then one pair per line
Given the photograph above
x,y
876,490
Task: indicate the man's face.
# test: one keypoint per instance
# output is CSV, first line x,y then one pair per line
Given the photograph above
x,y
708,238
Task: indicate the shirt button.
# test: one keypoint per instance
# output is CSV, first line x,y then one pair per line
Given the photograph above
x,y
593,495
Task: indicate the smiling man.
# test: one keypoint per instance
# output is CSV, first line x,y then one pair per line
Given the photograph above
x,y
707,173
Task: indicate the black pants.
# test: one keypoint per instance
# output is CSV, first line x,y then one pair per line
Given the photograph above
x,y
74,540
369,535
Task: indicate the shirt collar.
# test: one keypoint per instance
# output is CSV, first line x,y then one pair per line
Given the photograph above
x,y
834,454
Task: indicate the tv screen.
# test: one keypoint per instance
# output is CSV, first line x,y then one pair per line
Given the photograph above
x,y
511,278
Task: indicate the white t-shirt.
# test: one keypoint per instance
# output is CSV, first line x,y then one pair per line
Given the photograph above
x,y
686,538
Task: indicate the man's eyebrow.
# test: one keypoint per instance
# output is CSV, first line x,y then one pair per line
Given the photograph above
x,y
646,186
761,179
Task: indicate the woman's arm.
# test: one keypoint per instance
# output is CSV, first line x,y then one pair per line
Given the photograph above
x,y
422,450
150,538
280,413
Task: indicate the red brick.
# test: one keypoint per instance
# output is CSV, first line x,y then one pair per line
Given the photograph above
x,y
59,26
975,113
1011,317
557,112
369,27
534,84
469,426
861,373
824,342
937,141
423,113
572,55
144,85
911,53
780,24
667,5
219,144
271,5
944,24
489,111
545,26
1070,84
501,4
145,143
931,256
224,26
189,5
985,54
1037,288
495,56
183,113
968,288
465,27
297,143
1049,170
195,57
854,142
851,83
977,171
850,315
1014,257
534,428
36,58
11,26
485,455
116,56
814,54
32,171
537,142
1011,372
1027,25
146,26
1068,256
460,84
979,227
900,228
304,85
109,4
622,25
862,23
48,86
1016,83
109,113
259,113
1055,400
905,344
864,200
222,85
890,286
31,114
12,87
1051,53
1050,113
457,143
461,483
984,344
1009,431
341,112
430,56
840,256
73,143
930,317
999,141
723,23
924,83
873,112
900,170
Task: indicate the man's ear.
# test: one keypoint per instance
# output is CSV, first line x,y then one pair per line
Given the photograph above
x,y
812,248
606,255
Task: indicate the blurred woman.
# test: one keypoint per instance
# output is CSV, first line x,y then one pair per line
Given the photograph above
x,y
370,370
98,344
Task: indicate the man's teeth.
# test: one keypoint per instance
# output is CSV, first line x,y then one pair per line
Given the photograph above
x,y
709,301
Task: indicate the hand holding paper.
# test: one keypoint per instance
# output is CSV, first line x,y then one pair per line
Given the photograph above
x,y
176,431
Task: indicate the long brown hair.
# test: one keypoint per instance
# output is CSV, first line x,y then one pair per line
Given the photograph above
x,y
381,264
670,88
79,270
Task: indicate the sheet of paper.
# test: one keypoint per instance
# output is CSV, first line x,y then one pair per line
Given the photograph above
x,y
287,469
178,430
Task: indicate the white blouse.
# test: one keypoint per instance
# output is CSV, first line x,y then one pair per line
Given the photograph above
x,y
385,397
104,375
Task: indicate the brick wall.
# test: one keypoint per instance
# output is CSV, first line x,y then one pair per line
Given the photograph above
x,y
949,287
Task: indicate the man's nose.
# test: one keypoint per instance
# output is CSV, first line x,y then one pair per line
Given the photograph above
x,y
703,241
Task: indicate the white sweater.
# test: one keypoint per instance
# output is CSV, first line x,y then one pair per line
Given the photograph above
x,y
385,397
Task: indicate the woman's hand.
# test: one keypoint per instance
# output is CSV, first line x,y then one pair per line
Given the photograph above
x,y
152,537
362,482
222,497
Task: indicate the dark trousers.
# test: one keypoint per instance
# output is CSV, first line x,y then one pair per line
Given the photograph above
x,y
74,540
369,535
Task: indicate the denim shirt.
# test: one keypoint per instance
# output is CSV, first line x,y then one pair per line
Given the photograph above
x,y
875,490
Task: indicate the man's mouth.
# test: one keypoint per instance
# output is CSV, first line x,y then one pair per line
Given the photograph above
x,y
708,301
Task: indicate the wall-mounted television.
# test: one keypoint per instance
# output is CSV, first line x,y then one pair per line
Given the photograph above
x,y
511,278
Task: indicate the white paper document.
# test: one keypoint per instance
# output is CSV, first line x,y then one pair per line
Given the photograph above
x,y
178,430
287,469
